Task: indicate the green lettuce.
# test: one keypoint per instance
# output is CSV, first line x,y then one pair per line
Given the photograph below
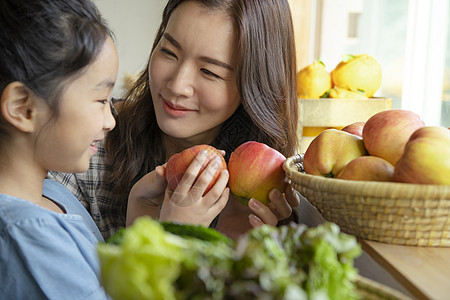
x,y
144,265
150,260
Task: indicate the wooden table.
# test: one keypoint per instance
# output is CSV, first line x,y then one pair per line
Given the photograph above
x,y
424,271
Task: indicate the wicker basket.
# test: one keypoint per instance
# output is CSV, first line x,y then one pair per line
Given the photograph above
x,y
394,213
371,290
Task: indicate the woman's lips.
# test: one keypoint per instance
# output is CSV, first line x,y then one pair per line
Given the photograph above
x,y
175,111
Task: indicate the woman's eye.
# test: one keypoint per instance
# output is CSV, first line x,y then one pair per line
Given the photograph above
x,y
103,101
167,52
209,73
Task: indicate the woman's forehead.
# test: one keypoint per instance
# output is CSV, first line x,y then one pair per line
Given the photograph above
x,y
193,27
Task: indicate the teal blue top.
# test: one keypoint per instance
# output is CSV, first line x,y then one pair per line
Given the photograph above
x,y
48,255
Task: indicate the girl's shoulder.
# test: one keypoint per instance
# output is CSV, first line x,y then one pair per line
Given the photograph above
x,y
13,207
15,210
26,216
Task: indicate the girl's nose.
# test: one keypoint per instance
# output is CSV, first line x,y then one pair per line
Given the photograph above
x,y
181,83
109,122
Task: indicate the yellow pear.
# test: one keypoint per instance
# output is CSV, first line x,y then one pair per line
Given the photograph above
x,y
359,73
330,151
313,81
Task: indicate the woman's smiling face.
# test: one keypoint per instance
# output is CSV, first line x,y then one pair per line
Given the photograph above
x,y
193,74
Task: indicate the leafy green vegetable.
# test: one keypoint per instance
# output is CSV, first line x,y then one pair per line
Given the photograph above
x,y
149,261
263,267
144,265
117,238
279,260
195,231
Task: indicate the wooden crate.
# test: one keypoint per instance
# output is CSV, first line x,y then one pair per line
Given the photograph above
x,y
319,114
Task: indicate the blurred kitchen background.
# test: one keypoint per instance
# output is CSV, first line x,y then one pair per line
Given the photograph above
x,y
409,38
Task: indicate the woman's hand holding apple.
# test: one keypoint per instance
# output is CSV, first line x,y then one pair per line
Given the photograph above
x,y
255,170
195,181
194,201
196,192
147,195
257,180
236,219
279,208
257,176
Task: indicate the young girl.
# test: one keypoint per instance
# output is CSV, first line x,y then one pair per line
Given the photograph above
x,y
220,72
58,67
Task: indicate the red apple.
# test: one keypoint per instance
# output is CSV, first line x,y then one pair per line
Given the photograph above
x,y
368,168
385,134
426,159
255,169
354,128
179,162
330,151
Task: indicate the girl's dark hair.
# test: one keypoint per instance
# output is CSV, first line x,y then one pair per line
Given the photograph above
x,y
266,79
43,43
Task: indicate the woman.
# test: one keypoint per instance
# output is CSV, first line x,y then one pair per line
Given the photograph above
x,y
220,72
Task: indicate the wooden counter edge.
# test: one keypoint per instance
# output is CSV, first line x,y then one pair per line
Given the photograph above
x,y
415,291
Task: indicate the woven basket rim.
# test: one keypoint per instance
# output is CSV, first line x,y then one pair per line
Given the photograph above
x,y
392,190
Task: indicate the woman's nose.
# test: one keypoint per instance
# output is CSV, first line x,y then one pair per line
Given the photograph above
x,y
181,82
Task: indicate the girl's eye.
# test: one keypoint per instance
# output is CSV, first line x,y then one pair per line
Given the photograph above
x,y
103,101
209,73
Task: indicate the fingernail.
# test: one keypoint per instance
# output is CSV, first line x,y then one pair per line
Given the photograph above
x,y
254,203
275,194
203,153
254,219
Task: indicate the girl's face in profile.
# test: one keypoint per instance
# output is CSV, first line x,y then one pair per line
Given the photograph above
x,y
69,142
192,74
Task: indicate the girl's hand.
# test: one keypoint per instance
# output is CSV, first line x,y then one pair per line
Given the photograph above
x,y
187,204
279,208
147,195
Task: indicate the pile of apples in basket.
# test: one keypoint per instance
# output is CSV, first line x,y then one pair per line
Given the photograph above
x,y
393,145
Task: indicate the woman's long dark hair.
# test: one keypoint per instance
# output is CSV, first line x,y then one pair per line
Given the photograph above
x,y
266,80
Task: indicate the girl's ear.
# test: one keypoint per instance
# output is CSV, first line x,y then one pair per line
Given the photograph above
x,y
17,106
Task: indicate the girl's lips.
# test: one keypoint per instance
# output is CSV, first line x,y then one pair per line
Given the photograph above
x,y
175,112
93,147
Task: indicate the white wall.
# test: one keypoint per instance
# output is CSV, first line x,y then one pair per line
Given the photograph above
x,y
134,23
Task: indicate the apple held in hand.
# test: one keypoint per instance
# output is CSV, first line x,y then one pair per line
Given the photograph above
x,y
179,162
386,133
255,169
426,159
330,151
354,128
368,168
